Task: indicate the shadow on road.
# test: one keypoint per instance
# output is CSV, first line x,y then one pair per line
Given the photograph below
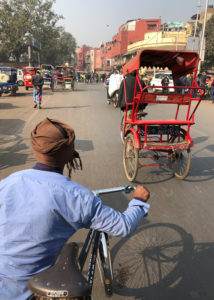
x,y
161,261
7,105
11,143
84,145
61,107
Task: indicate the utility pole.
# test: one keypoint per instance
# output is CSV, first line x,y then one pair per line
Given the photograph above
x,y
196,24
29,55
202,36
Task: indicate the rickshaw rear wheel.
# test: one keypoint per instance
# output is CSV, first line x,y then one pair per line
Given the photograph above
x,y
130,157
121,129
180,159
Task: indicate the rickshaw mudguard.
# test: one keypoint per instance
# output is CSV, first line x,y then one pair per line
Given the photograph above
x,y
136,137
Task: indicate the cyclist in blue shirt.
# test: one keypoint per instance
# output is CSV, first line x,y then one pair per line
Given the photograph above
x,y
40,209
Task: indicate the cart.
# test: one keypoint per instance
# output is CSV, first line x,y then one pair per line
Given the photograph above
x,y
48,75
59,76
163,138
69,77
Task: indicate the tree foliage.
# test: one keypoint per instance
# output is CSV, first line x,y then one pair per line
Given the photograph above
x,y
19,18
209,53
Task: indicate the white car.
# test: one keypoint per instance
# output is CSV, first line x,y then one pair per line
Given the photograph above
x,y
20,78
156,81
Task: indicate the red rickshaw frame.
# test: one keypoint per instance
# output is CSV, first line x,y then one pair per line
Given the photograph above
x,y
180,63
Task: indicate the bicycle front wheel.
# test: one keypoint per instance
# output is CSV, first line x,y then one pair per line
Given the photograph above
x,y
105,265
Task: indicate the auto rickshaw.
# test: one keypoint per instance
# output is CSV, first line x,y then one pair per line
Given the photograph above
x,y
8,81
48,75
28,73
69,77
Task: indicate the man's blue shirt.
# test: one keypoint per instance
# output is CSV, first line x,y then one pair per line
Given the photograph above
x,y
39,212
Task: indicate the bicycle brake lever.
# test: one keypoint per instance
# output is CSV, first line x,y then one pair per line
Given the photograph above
x,y
129,188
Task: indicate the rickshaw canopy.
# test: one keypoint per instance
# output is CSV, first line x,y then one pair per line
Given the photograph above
x,y
179,62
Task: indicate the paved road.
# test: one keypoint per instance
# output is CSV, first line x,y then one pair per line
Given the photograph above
x,y
171,254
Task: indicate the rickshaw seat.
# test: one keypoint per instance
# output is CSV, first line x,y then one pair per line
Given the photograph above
x,y
181,99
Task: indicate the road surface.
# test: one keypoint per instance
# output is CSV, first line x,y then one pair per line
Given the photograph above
x,y
171,254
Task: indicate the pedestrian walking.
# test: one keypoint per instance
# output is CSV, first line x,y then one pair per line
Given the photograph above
x,y
37,82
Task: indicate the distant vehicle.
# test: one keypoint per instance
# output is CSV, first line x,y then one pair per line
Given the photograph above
x,y
48,75
29,72
20,77
59,76
156,81
69,77
8,81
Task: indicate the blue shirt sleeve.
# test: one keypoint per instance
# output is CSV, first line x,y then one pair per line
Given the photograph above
x,y
107,219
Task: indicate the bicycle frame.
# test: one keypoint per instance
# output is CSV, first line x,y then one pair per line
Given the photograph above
x,y
101,243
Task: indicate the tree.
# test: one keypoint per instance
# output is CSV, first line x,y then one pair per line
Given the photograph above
x,y
19,18
65,48
209,52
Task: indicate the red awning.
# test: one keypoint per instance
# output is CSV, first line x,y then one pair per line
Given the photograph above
x,y
179,62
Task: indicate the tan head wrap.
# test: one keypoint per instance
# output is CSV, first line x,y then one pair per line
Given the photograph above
x,y
53,143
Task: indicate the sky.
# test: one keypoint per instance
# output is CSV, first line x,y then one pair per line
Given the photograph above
x,y
94,21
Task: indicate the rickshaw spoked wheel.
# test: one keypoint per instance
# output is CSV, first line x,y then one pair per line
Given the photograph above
x,y
130,157
179,159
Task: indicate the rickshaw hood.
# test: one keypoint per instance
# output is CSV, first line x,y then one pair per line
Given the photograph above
x,y
179,62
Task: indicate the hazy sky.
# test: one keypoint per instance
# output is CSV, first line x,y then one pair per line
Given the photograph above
x,y
93,21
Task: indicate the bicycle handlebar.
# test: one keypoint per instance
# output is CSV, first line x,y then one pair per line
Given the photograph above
x,y
127,189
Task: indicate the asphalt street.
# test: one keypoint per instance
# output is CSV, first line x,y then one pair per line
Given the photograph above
x,y
171,254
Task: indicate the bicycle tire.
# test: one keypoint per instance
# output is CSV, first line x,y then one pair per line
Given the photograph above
x,y
121,128
105,265
180,163
130,157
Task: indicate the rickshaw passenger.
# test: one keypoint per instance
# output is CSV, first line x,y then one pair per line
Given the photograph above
x,y
130,85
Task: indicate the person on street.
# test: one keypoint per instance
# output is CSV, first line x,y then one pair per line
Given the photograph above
x,y
37,81
115,80
212,91
165,83
40,209
124,98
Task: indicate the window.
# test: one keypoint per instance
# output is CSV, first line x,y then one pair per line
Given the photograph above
x,y
152,26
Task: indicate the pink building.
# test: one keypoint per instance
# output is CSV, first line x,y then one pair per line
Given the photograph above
x,y
113,52
81,53
130,32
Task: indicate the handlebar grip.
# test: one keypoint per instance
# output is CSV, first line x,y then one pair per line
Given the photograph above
x,y
129,188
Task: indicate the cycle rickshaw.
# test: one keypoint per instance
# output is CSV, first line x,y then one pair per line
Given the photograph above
x,y
165,138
